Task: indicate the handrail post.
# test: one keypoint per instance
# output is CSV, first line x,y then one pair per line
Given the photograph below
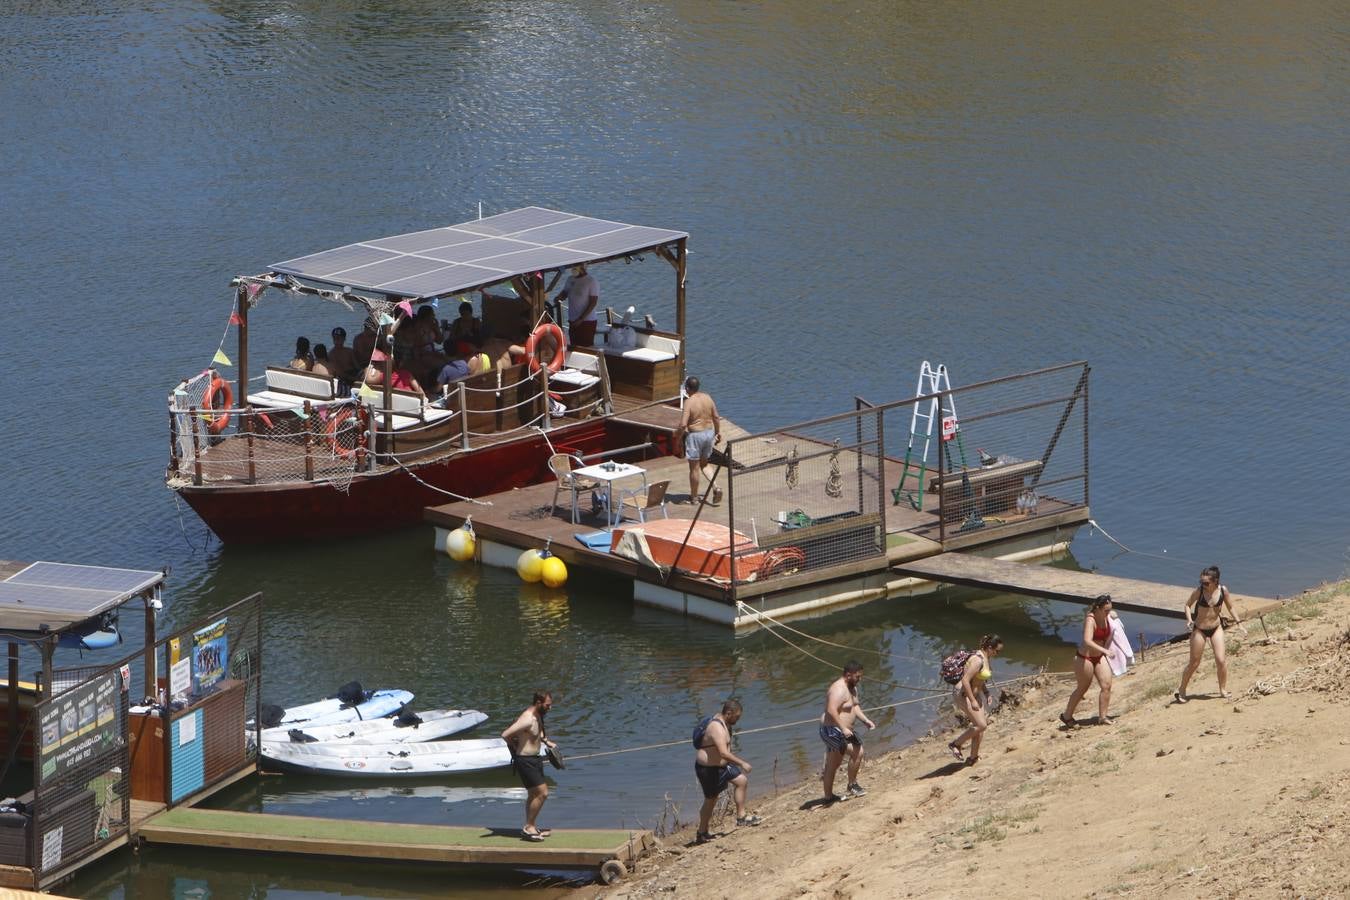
x,y
250,421
196,448
942,476
731,513
309,441
463,416
173,445
543,379
1087,371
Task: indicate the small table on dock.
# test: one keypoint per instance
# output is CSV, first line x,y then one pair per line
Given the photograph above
x,y
608,473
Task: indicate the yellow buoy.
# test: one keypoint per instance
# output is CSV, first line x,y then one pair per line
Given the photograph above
x,y
460,543
554,572
530,566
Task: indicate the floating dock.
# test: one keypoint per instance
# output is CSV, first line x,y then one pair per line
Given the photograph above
x,y
1127,594
610,852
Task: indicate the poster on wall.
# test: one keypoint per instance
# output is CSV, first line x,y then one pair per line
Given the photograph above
x,y
79,724
210,652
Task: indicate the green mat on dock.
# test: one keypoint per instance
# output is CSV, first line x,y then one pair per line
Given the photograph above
x,y
366,831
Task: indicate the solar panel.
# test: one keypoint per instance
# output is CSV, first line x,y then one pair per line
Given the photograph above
x,y
441,261
69,601
66,575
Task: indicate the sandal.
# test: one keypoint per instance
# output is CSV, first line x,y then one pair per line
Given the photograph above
x,y
1179,697
533,836
972,760
955,751
1068,722
744,821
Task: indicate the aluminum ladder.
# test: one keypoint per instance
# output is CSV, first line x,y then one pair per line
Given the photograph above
x,y
932,381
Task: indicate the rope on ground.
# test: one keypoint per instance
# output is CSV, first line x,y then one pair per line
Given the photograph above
x,y
1164,556
807,653
413,475
879,653
741,731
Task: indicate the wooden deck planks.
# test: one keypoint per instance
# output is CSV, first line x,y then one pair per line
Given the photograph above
x,y
1127,594
359,838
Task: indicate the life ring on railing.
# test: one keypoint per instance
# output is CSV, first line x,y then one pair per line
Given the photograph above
x,y
334,426
218,385
532,344
780,559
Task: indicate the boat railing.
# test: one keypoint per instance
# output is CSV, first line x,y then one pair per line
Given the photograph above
x,y
331,440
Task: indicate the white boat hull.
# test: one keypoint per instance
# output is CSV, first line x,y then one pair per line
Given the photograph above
x,y
333,711
389,760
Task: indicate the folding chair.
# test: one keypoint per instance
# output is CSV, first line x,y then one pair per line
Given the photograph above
x,y
562,465
638,502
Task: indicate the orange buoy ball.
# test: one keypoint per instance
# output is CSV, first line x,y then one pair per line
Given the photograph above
x,y
553,572
530,566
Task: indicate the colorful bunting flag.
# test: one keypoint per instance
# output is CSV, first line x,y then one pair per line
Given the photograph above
x,y
367,392
235,320
406,307
386,319
221,358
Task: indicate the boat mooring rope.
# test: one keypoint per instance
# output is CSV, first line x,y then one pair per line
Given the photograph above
x,y
413,475
1165,556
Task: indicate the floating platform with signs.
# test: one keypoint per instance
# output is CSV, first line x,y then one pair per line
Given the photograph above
x,y
609,852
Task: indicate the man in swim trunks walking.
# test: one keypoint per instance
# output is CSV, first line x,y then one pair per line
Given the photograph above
x,y
700,429
524,738
836,731
717,768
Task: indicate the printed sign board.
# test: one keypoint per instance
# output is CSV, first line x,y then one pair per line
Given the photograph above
x,y
79,724
210,653
949,427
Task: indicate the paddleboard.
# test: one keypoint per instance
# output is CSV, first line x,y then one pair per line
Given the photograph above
x,y
436,724
389,760
333,711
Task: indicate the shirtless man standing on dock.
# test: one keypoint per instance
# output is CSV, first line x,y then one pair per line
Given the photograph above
x,y
524,739
836,730
700,429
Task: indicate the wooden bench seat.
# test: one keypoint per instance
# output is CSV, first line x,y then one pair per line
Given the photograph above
x,y
290,388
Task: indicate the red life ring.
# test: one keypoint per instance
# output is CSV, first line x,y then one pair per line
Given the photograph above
x,y
218,385
532,344
334,426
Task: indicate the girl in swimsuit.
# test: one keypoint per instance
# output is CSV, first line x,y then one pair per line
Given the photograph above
x,y
972,697
1090,662
1205,620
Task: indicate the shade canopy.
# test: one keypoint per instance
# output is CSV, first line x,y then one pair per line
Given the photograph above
x,y
459,258
46,598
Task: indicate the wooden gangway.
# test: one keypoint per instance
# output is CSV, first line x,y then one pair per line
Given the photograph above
x,y
383,841
1127,594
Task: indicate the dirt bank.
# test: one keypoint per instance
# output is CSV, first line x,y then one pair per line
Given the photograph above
x,y
1247,797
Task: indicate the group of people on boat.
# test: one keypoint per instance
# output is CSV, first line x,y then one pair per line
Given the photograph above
x,y
430,355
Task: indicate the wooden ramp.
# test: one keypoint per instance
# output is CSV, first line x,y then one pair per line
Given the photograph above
x,y
364,839
1127,594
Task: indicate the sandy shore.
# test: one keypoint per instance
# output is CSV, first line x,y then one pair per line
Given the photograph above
x,y
1247,797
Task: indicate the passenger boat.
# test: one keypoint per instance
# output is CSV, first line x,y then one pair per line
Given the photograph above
x,y
289,454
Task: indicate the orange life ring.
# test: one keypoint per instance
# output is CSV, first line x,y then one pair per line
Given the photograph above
x,y
334,425
532,344
780,559
221,386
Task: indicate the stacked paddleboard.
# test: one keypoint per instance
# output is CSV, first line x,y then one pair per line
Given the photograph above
x,y
376,737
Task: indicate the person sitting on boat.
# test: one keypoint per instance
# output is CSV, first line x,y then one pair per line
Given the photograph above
x,y
466,332
321,365
459,369
303,359
582,293
342,360
402,378
364,344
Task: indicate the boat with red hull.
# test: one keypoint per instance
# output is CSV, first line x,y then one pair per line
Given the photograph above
x,y
311,454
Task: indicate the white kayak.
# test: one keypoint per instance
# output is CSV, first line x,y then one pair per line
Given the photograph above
x,y
289,795
435,724
435,758
333,711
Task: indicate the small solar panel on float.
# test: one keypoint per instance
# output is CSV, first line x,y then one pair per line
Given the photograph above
x,y
84,577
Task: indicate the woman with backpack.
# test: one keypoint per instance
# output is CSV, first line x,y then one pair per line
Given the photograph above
x,y
1204,618
972,697
1091,661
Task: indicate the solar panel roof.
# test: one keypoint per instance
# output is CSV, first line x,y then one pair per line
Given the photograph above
x,y
457,258
53,596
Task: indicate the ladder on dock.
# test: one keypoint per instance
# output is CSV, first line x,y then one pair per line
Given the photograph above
x,y
939,407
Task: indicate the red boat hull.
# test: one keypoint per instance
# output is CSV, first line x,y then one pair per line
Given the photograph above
x,y
265,513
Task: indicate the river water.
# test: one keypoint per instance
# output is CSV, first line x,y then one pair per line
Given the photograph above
x,y
1159,189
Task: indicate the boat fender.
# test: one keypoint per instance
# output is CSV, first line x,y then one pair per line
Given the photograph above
x,y
530,566
559,347
460,544
553,572
219,386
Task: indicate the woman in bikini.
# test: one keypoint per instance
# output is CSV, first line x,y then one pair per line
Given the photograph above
x,y
1091,662
1204,618
972,697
